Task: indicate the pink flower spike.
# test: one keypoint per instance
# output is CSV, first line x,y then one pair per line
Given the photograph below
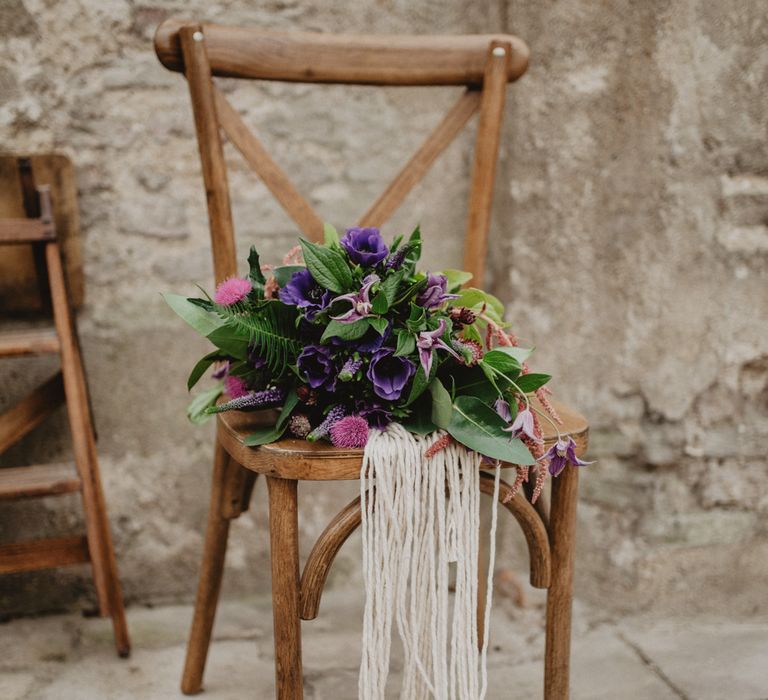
x,y
235,387
350,432
231,291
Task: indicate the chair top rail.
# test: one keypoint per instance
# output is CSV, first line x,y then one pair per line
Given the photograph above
x,y
310,57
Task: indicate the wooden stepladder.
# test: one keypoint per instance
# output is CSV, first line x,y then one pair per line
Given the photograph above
x,y
29,239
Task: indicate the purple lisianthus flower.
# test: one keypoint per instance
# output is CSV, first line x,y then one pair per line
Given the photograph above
x,y
427,341
375,413
523,425
316,366
361,301
389,374
364,246
435,292
303,291
560,454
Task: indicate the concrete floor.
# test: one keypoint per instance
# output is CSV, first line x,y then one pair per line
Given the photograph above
x,y
68,657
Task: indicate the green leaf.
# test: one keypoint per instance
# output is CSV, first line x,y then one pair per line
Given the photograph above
x,y
390,285
255,274
380,305
531,382
419,421
456,279
328,267
477,426
196,411
288,405
406,344
502,362
380,324
231,341
420,383
263,436
520,354
330,235
442,406
346,331
203,321
475,298
202,365
283,273
473,382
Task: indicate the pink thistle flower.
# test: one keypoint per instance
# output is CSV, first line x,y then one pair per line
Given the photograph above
x,y
350,432
231,291
235,386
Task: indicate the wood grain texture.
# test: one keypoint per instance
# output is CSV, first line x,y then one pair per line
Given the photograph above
x,y
286,588
198,73
268,170
20,290
486,155
309,57
31,411
24,231
211,573
42,554
29,342
418,166
562,537
38,480
291,458
102,553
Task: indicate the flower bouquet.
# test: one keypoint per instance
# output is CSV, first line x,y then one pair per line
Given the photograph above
x,y
347,336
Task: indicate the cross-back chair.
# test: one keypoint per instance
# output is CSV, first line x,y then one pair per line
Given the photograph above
x,y
484,64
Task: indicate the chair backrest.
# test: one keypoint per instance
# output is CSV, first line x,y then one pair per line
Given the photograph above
x,y
23,279
484,64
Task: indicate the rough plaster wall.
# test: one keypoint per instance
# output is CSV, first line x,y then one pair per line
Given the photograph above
x,y
629,242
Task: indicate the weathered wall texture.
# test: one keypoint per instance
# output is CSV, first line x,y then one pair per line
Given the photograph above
x,y
630,242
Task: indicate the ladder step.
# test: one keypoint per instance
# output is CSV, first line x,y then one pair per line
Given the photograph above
x,y
43,554
38,480
29,342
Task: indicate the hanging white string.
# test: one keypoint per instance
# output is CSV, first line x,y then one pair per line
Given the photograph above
x,y
424,516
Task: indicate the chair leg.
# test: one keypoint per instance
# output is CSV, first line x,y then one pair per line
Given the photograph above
x,y
562,537
286,592
211,571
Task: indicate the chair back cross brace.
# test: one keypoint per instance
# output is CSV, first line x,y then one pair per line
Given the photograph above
x,y
483,65
67,386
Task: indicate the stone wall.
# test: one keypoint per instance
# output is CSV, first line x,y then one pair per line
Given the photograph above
x,y
629,242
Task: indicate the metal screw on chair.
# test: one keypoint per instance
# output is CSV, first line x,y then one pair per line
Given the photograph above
x,y
499,51
198,36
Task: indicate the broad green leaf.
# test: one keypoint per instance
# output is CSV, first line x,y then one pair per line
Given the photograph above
x,y
473,382
475,298
380,324
328,267
502,362
380,304
346,331
284,272
442,406
390,286
330,235
231,341
520,354
419,421
196,411
406,344
531,382
255,274
456,279
263,436
477,426
204,322
200,368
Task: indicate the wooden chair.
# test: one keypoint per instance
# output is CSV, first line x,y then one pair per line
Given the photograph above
x,y
33,267
484,65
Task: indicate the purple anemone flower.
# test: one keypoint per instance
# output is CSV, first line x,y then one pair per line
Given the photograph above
x,y
316,366
303,291
427,341
364,246
435,292
560,454
361,301
523,425
389,374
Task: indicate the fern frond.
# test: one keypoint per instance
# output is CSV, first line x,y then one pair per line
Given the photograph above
x,y
271,329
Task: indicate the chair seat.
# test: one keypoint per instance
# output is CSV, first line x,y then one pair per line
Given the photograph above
x,y
291,458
